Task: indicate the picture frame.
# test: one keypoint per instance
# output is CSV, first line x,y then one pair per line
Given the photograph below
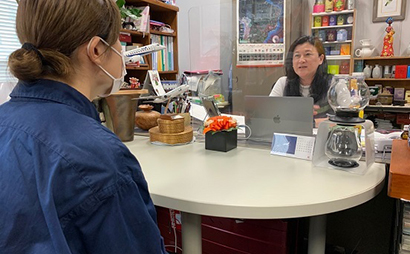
x,y
382,9
144,61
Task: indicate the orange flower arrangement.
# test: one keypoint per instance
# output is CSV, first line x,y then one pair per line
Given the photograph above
x,y
220,123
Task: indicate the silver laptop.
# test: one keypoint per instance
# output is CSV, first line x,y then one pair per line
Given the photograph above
x,y
267,115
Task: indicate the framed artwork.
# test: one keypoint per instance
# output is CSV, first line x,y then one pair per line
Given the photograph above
x,y
382,9
260,33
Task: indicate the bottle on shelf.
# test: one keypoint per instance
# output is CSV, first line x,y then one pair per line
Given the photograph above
x,y
377,71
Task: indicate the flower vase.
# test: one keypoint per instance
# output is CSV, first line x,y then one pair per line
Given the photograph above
x,y
222,141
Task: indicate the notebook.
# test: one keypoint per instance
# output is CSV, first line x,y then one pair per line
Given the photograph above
x,y
266,115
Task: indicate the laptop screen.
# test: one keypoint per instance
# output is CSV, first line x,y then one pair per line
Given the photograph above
x,y
267,115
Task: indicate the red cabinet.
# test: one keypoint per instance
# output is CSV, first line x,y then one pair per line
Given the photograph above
x,y
235,236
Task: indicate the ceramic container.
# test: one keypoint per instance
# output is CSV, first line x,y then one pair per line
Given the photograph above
x,y
377,71
146,118
367,71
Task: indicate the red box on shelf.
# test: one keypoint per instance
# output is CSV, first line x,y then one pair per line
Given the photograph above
x,y
403,119
401,71
125,37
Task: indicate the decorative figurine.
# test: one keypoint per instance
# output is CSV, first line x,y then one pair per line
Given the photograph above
x,y
388,39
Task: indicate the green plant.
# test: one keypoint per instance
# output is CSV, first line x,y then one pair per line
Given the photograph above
x,y
133,13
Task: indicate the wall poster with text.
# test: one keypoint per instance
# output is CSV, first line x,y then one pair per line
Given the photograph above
x,y
260,33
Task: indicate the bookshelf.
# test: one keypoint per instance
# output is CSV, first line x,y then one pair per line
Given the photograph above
x,y
383,61
167,14
333,46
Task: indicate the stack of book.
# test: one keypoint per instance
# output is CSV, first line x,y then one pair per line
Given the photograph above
x,y
163,60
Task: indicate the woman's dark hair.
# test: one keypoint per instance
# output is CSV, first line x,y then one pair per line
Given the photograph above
x,y
320,83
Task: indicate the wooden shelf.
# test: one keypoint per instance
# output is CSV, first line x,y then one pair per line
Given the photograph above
x,y
337,57
168,72
154,5
332,13
164,13
132,32
138,33
163,33
336,42
141,68
387,108
331,27
383,58
387,79
317,31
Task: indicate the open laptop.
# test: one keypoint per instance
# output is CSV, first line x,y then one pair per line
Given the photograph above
x,y
266,115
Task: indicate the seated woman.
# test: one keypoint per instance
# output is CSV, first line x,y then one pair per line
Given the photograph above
x,y
306,75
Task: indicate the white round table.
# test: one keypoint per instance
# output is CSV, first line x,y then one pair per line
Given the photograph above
x,y
248,183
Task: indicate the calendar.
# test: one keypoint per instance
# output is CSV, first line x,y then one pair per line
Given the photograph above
x,y
293,146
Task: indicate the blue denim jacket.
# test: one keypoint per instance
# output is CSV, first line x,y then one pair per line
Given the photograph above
x,y
67,183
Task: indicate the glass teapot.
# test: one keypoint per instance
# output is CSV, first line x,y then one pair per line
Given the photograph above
x,y
343,146
347,95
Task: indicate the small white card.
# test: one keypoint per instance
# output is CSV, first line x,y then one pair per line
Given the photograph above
x,y
156,83
291,145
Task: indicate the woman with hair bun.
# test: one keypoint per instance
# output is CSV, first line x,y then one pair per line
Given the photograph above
x,y
68,184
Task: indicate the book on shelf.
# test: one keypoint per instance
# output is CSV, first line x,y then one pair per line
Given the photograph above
x,y
164,59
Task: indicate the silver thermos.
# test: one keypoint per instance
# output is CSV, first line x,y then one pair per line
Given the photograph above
x,y
350,4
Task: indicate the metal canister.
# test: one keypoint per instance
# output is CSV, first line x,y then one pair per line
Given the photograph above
x,y
340,20
332,20
322,35
318,21
328,5
350,4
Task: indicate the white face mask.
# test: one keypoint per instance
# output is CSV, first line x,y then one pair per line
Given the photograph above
x,y
116,82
